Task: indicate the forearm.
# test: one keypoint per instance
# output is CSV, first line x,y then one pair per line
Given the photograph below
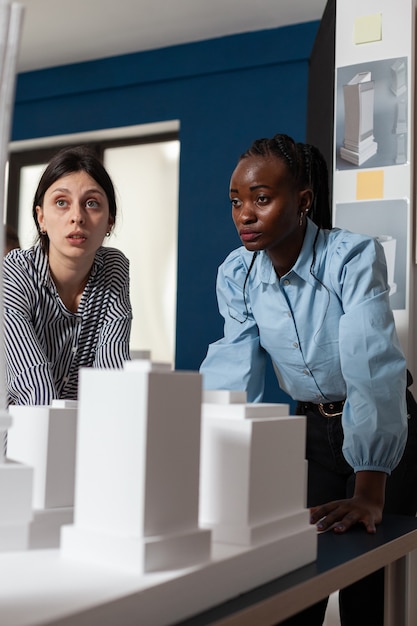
x,y
32,386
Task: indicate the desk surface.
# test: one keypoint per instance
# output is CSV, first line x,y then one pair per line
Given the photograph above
x,y
38,587
341,560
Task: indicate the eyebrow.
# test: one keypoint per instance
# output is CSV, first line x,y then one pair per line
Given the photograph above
x,y
253,188
86,192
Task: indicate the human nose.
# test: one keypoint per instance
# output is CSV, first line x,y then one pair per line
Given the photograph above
x,y
77,214
247,213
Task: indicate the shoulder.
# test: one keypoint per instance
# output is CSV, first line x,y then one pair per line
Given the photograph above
x,y
112,255
19,257
236,264
32,261
110,272
112,260
344,245
352,258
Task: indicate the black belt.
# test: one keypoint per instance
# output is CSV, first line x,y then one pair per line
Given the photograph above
x,y
331,409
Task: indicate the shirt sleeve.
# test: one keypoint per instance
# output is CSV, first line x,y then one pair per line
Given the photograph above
x,y
113,343
372,363
29,376
237,361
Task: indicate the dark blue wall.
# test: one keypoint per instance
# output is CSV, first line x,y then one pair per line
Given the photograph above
x,y
225,92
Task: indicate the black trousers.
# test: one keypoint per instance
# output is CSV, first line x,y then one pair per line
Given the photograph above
x,y
331,478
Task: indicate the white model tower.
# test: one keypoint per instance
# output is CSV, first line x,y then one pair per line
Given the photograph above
x,y
44,438
137,470
253,480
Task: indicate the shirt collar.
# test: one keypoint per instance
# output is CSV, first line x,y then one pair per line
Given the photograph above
x,y
302,266
42,265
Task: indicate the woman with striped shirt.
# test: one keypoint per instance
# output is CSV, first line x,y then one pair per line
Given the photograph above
x,y
66,299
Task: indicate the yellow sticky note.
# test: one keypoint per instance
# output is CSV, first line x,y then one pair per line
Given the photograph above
x,y
370,185
368,28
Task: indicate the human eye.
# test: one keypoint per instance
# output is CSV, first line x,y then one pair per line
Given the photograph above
x,y
61,203
262,199
236,203
92,204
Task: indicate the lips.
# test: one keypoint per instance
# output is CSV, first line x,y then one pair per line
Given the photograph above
x,y
76,236
76,239
249,235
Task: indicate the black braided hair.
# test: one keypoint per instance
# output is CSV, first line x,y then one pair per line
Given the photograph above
x,y
307,167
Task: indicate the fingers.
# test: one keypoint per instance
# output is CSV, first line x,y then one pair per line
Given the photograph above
x,y
342,515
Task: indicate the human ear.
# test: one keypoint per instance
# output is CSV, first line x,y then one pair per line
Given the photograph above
x,y
305,200
39,214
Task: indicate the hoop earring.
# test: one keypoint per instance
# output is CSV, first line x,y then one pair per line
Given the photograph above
x,y
43,232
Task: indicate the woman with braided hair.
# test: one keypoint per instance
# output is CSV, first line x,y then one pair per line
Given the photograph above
x,y
316,300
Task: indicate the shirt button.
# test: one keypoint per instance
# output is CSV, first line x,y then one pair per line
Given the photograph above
x,y
306,372
74,350
289,314
286,282
295,344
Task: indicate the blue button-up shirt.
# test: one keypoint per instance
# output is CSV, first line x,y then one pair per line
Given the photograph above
x,y
329,330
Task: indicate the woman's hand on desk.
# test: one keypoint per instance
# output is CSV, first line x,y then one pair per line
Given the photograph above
x,y
365,507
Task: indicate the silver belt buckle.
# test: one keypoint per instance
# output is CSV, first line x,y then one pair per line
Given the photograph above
x,y
324,412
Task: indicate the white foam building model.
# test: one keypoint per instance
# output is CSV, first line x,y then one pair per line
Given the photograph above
x,y
253,480
359,144
146,500
137,470
15,498
44,438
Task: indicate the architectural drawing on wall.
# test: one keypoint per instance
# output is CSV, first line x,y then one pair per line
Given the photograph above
x,y
371,114
398,77
401,149
386,220
389,244
359,144
398,87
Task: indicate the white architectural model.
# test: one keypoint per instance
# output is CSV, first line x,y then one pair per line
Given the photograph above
x,y
358,144
44,438
137,486
253,481
137,474
15,499
138,467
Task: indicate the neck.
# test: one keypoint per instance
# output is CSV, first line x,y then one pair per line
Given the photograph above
x,y
284,256
70,280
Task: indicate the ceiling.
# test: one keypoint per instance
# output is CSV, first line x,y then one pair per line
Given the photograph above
x,y
58,32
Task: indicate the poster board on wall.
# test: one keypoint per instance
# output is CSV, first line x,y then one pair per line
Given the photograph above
x,y
373,135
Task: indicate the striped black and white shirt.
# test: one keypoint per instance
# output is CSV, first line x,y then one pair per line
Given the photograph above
x,y
45,343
